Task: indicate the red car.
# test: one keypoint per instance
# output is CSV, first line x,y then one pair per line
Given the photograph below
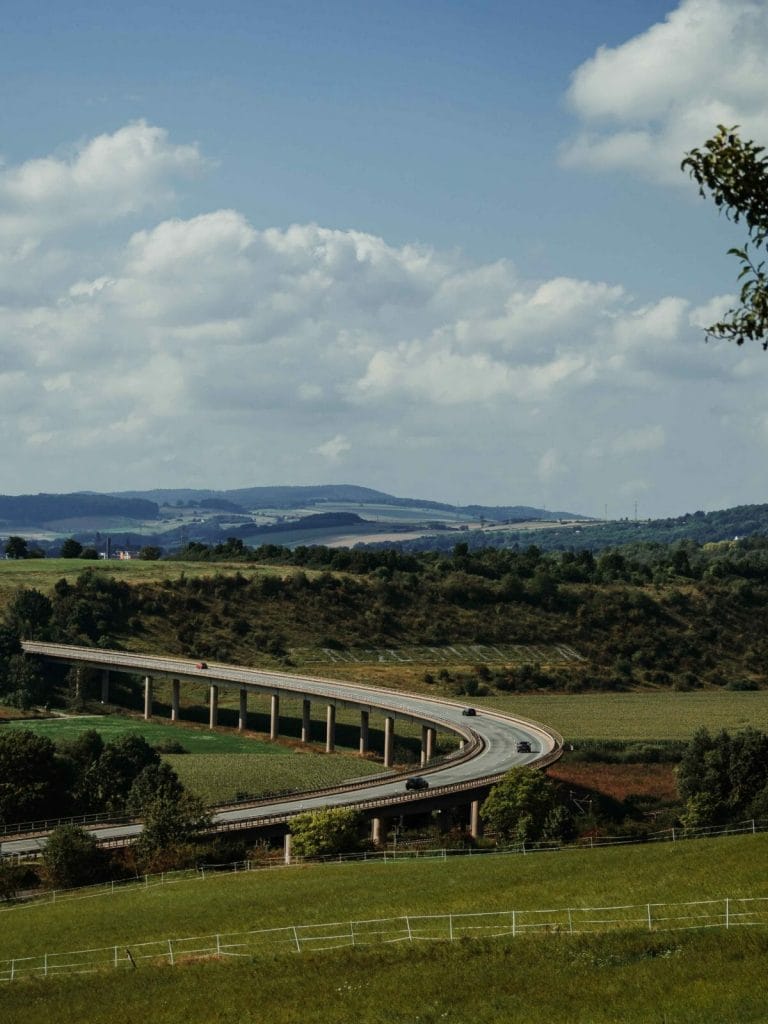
x,y
201,664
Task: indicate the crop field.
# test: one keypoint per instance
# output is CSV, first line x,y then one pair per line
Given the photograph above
x,y
660,715
715,975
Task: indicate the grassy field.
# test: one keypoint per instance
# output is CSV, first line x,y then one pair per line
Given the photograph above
x,y
640,976
219,764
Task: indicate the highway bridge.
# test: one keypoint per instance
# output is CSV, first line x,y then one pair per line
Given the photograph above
x,y
488,741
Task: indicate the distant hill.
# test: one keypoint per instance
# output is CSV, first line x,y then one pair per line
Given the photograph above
x,y
40,509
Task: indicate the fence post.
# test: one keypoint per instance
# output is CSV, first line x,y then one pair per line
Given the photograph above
x,y
753,826
674,837
218,944
650,919
13,969
727,913
170,951
296,939
45,966
114,963
408,926
352,931
450,927
570,922
514,923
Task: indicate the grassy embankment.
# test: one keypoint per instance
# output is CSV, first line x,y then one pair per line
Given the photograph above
x,y
636,976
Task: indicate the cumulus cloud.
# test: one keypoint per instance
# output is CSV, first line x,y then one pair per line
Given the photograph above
x,y
208,351
644,103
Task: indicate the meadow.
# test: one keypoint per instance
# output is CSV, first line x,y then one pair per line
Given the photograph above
x,y
715,975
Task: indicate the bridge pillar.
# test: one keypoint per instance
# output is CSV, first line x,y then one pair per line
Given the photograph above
x,y
330,729
147,696
306,720
475,822
376,831
389,740
431,734
274,716
242,717
364,731
105,686
213,710
423,758
287,848
175,687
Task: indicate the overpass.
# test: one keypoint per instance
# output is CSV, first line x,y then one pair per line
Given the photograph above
x,y
488,742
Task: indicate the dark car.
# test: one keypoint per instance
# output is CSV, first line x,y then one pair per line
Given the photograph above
x,y
416,782
523,747
469,712
201,664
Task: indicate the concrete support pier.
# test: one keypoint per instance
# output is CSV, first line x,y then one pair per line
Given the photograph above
x,y
330,729
175,690
242,715
364,731
389,740
431,735
147,696
376,831
105,686
423,758
306,720
213,711
274,716
287,848
475,823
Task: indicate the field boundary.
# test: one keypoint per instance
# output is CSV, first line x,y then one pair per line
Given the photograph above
x,y
723,912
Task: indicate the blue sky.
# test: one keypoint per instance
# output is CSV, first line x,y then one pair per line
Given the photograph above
x,y
442,249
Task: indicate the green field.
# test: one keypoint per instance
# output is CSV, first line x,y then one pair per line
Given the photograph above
x,y
660,715
633,977
219,764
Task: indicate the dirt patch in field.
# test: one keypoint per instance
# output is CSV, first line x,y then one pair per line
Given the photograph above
x,y
620,780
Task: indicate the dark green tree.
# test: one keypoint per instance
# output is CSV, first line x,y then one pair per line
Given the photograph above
x,y
172,816
117,769
28,614
71,858
326,832
722,777
16,547
522,806
150,553
735,174
22,684
71,548
30,784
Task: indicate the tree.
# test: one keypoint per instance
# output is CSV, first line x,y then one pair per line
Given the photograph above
x,y
72,857
28,613
150,553
722,777
735,174
71,548
118,768
22,684
16,547
172,815
520,808
326,832
29,776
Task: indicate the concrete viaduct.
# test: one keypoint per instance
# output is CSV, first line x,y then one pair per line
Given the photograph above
x,y
487,742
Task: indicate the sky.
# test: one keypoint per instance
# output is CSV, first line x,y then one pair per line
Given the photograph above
x,y
443,249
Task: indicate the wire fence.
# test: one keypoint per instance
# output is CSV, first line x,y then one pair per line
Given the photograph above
x,y
653,917
397,854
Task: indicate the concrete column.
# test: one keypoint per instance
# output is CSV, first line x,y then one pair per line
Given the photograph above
x,y
475,824
242,717
389,737
376,831
274,716
461,744
105,686
306,720
364,730
423,759
213,714
287,848
330,729
431,734
147,696
175,687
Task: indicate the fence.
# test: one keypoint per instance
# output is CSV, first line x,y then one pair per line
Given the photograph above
x,y
753,826
654,917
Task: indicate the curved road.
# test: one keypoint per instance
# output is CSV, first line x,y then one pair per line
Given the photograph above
x,y
491,737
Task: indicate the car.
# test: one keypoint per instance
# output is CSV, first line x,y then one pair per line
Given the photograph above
x,y
469,712
201,664
416,782
523,747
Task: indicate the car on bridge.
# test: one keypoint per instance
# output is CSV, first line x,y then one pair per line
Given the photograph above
x,y
469,712
524,747
416,782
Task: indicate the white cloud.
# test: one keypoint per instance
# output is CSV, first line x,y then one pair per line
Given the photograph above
x,y
333,448
644,103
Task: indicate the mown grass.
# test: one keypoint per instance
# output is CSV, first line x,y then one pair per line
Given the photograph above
x,y
675,977
669,872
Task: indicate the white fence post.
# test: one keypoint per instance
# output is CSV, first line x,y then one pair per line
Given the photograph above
x,y
408,926
727,913
45,966
514,923
650,919
13,969
450,927
570,922
218,944
170,952
114,962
